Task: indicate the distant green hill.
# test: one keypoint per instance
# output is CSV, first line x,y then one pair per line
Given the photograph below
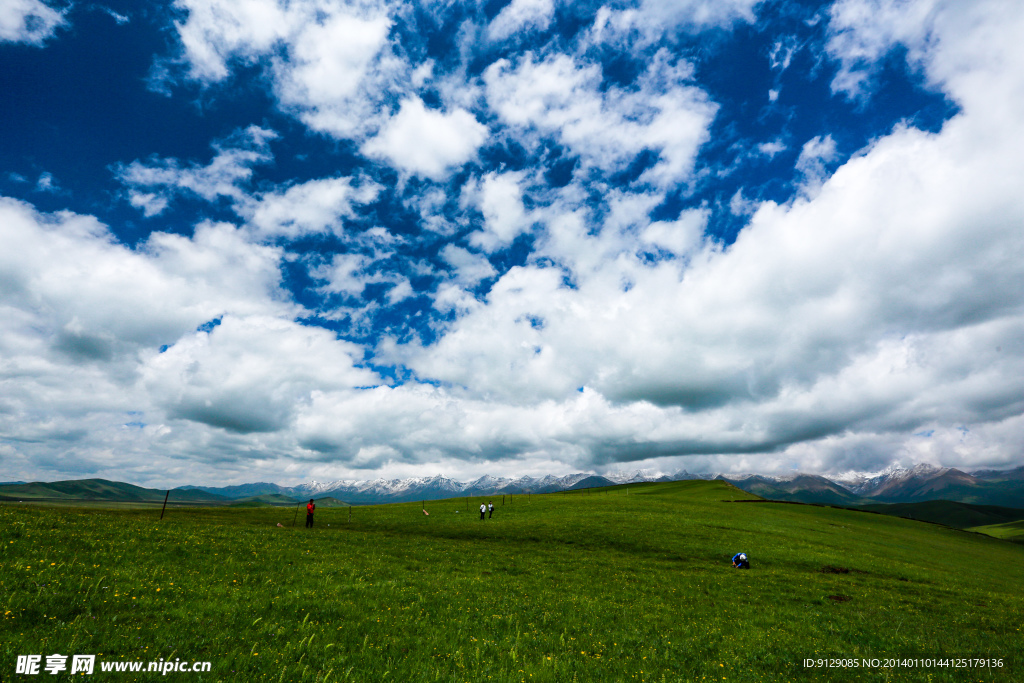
x,y
1010,531
330,502
265,499
102,490
951,513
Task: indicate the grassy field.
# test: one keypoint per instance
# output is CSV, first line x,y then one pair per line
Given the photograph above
x,y
598,586
950,513
1010,531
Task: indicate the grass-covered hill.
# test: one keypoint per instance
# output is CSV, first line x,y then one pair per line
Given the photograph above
x,y
1010,531
101,491
265,499
584,586
951,513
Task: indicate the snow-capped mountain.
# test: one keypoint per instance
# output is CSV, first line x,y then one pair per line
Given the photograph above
x,y
893,484
368,491
895,480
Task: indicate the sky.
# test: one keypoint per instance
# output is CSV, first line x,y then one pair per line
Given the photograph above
x,y
284,240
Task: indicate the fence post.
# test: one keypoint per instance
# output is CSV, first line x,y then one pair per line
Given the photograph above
x,y
165,503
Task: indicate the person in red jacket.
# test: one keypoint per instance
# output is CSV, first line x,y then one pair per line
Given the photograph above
x,y
310,507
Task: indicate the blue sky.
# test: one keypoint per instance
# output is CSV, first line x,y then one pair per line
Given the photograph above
x,y
273,240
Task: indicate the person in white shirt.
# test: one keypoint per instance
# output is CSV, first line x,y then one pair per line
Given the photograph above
x,y
490,510
483,509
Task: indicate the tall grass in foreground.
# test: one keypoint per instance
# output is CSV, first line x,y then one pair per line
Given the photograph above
x,y
598,586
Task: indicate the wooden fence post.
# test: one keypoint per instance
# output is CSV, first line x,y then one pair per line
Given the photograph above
x,y
165,503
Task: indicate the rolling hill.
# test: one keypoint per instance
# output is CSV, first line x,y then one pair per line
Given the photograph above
x,y
102,490
950,513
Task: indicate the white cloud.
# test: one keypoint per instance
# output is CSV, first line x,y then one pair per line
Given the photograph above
x,y
335,73
609,128
814,155
883,304
46,183
863,31
652,18
500,199
82,314
329,63
120,19
214,33
151,204
835,331
680,236
770,149
781,54
316,206
519,15
469,268
250,374
151,185
28,21
427,142
345,274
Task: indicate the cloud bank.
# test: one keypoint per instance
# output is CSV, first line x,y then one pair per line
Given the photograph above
x,y
515,262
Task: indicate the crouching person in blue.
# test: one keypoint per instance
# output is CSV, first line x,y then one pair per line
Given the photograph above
x,y
739,561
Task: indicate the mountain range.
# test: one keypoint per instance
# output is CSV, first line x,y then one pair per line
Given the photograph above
x,y
893,485
375,491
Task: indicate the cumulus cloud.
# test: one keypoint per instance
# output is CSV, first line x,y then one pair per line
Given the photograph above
x,y
250,374
335,72
874,316
153,183
814,158
329,63
345,274
82,313
680,236
519,15
28,21
469,268
427,142
607,127
874,307
862,32
499,198
316,206
653,18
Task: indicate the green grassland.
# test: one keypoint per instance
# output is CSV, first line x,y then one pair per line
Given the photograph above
x,y
589,586
1010,531
950,513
